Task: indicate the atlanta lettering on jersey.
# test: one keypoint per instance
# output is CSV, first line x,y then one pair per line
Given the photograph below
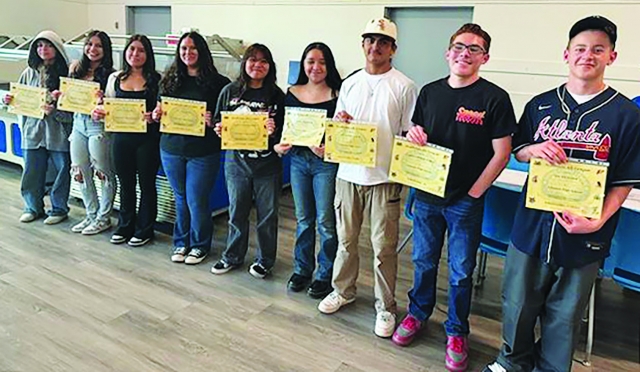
x,y
469,116
587,140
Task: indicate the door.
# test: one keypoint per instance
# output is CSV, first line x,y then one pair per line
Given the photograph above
x,y
150,21
423,38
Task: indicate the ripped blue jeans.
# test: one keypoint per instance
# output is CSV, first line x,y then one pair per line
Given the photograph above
x,y
90,149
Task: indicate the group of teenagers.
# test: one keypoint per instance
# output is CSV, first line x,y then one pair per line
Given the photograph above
x,y
553,258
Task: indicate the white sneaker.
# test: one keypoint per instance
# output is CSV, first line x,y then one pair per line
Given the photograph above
x,y
27,217
97,226
333,302
77,228
495,367
385,324
54,220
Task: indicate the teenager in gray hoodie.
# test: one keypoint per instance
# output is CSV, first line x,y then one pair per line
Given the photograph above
x,y
45,139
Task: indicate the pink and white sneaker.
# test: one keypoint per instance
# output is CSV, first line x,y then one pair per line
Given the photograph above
x,y
457,354
406,331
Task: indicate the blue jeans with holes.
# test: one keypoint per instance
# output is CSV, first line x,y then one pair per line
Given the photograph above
x,y
90,150
34,177
463,221
192,180
313,183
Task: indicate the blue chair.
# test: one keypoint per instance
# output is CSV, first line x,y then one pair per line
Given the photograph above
x,y
622,265
408,213
499,213
625,251
637,100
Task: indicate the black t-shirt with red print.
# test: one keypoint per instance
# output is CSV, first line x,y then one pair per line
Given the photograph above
x,y
465,120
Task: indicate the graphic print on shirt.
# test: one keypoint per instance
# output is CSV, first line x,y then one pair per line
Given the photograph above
x,y
590,140
260,106
469,116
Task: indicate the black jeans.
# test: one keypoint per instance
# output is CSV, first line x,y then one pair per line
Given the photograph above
x,y
136,154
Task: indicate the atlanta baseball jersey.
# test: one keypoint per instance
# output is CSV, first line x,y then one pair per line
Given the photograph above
x,y
605,128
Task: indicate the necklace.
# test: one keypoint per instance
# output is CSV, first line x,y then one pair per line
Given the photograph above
x,y
372,89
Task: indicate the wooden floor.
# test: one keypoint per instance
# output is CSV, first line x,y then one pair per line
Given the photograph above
x,y
74,303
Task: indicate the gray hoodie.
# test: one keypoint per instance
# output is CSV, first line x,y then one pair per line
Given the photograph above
x,y
53,131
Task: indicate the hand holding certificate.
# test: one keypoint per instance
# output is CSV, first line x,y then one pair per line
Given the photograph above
x,y
78,95
303,126
577,186
27,100
353,143
181,116
423,167
244,131
124,115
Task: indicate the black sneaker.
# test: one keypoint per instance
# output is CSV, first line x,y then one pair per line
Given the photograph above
x,y
117,239
258,271
319,289
195,256
138,242
298,282
222,267
178,254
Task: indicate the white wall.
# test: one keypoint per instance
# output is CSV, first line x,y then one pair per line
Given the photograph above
x,y
27,17
526,53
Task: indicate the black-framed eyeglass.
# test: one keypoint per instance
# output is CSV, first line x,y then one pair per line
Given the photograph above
x,y
474,49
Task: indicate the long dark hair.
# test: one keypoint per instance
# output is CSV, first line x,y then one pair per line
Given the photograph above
x,y
50,74
151,76
269,82
177,72
101,74
333,79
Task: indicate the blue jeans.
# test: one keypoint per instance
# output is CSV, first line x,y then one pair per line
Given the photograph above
x,y
245,188
192,180
463,220
34,177
313,183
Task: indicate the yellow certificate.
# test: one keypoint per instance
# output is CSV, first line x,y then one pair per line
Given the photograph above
x,y
424,167
78,95
27,100
576,186
353,143
182,116
124,115
303,126
244,131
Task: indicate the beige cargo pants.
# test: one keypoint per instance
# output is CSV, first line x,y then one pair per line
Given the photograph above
x,y
381,203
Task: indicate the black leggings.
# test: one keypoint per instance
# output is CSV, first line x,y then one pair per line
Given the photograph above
x,y
136,154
